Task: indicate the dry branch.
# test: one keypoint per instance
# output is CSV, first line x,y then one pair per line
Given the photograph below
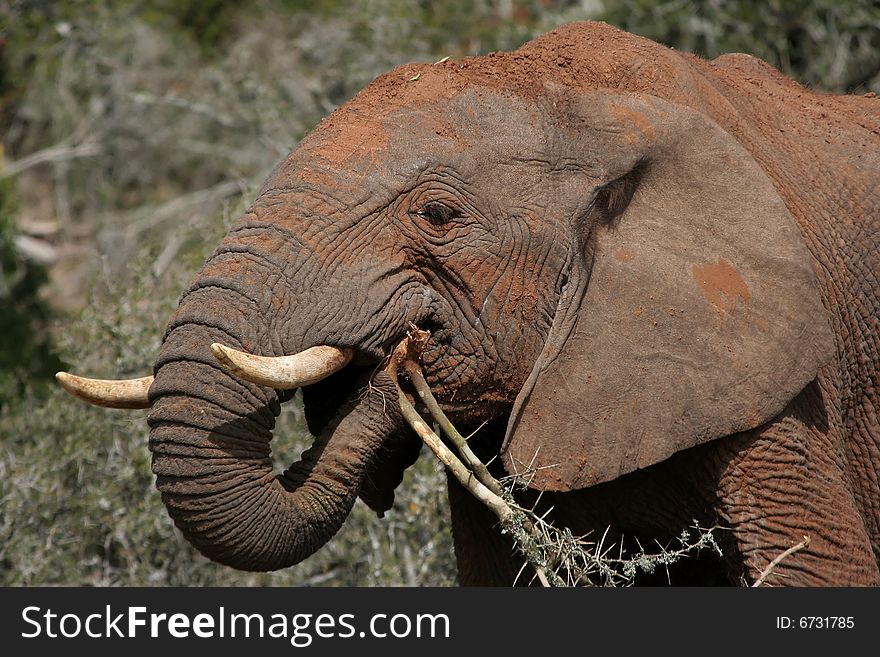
x,y
778,560
53,154
558,557
513,520
412,369
404,353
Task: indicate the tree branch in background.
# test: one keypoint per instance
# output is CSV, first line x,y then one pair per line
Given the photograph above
x,y
54,154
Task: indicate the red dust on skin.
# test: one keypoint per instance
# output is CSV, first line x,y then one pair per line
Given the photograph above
x,y
624,255
317,177
628,117
722,285
357,138
359,131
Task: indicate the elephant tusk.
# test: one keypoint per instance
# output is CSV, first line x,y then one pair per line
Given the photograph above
x,y
284,372
109,393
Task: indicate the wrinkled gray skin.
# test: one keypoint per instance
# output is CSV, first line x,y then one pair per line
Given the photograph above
x,y
652,296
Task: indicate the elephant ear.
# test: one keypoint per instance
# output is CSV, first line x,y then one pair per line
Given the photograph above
x,y
693,314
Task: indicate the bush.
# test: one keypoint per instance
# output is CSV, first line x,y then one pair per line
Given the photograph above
x,y
833,45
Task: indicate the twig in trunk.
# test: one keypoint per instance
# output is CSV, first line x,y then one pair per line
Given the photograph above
x,y
494,502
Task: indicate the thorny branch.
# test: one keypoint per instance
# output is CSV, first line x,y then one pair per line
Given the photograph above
x,y
406,355
558,557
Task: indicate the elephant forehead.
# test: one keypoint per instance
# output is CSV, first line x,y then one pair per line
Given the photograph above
x,y
398,136
475,125
361,130
466,132
363,137
560,129
469,127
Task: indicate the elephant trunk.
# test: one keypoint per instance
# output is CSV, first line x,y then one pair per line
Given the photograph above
x,y
210,433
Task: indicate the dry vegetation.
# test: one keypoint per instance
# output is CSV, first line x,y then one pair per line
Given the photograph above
x,y
133,133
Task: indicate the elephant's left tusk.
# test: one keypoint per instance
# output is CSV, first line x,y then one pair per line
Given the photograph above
x,y
109,393
284,372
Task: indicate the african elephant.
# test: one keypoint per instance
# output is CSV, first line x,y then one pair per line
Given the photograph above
x,y
655,276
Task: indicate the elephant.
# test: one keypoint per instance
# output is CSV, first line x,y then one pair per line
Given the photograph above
x,y
651,278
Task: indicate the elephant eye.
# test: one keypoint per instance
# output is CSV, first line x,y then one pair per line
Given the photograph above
x,y
437,214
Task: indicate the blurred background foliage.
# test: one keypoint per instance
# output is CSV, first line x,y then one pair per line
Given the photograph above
x,y
133,133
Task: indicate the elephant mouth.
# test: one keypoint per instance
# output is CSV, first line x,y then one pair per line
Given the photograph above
x,y
322,399
324,405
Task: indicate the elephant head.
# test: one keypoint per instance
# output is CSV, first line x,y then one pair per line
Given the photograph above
x,y
611,271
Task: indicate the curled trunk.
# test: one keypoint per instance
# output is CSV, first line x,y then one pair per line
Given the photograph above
x,y
210,436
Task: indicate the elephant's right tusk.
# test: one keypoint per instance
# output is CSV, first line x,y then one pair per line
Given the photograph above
x,y
284,372
110,393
